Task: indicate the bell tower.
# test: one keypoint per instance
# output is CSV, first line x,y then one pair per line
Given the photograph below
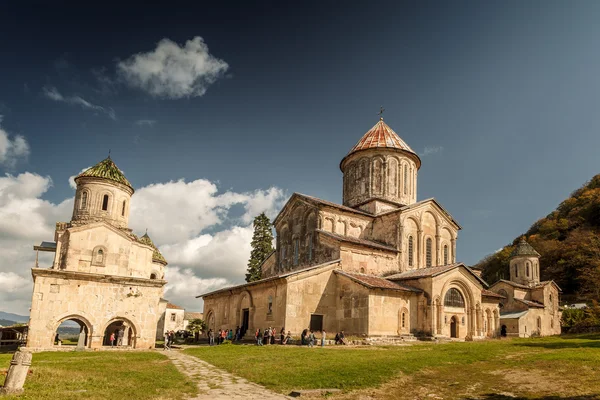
x,y
525,264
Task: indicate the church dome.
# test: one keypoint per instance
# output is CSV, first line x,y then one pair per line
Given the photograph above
x,y
382,136
524,249
157,257
106,169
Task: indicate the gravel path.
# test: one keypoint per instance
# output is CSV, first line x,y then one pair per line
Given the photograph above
x,y
214,383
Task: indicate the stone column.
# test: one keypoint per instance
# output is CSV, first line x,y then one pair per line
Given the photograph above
x,y
17,372
439,318
478,317
419,247
438,245
453,250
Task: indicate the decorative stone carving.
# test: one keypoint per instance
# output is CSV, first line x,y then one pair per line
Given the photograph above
x,y
17,372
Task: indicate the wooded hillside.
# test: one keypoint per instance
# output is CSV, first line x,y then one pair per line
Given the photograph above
x,y
568,240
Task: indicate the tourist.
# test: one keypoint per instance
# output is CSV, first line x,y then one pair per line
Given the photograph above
x,y
120,337
323,336
303,337
258,337
211,337
311,339
288,338
266,336
282,335
230,335
238,334
273,333
166,345
56,338
342,338
223,335
112,339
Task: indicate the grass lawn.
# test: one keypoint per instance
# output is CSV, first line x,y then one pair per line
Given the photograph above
x,y
102,375
566,367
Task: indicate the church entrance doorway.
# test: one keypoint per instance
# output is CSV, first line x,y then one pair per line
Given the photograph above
x,y
245,321
454,327
124,335
316,322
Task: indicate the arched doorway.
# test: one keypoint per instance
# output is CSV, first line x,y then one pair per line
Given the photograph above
x,y
72,331
503,331
124,332
454,327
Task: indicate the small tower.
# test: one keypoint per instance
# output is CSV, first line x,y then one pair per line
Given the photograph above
x,y
158,261
380,171
103,194
525,264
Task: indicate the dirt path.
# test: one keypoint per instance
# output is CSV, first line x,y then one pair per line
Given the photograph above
x,y
215,384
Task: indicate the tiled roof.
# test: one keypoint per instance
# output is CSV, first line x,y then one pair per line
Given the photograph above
x,y
524,249
106,169
512,315
362,242
156,256
489,293
382,136
424,272
334,205
174,306
192,315
376,282
530,303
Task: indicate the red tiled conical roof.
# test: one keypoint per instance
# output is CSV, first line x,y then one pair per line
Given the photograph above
x,y
382,136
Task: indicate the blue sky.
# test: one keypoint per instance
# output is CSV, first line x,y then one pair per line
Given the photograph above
x,y
500,99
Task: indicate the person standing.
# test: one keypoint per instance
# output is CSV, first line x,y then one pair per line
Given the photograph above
x,y
273,333
311,339
120,335
238,334
266,336
211,337
282,335
258,337
323,336
112,339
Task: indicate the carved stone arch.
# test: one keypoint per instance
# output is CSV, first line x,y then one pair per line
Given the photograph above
x,y
99,255
434,215
403,320
80,316
464,289
84,199
210,319
243,295
100,201
130,323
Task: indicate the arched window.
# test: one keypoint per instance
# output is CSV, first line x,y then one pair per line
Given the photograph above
x,y
405,179
152,276
445,254
105,202
428,252
403,320
296,251
270,305
84,200
99,256
123,210
410,251
453,298
310,247
502,292
527,269
516,271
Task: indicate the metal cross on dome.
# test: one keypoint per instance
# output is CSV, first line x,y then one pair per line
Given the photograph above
x,y
380,113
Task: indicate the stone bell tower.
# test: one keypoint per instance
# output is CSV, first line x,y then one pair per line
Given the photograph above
x,y
525,264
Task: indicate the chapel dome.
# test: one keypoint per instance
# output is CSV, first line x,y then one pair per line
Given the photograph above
x,y
106,169
382,136
524,249
157,257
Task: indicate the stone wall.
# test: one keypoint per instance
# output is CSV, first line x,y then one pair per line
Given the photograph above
x,y
89,199
61,295
367,261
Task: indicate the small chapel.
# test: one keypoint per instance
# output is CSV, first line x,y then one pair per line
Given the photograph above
x,y
103,277
383,263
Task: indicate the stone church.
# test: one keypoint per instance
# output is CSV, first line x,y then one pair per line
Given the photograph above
x,y
383,263
103,277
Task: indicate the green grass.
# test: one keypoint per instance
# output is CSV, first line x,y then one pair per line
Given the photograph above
x,y
475,368
102,375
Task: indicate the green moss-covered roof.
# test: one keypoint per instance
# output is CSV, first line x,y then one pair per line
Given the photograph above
x,y
156,256
524,249
106,169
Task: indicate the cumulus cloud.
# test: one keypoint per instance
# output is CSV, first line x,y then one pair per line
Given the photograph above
x,y
198,229
72,183
428,150
173,71
12,149
53,94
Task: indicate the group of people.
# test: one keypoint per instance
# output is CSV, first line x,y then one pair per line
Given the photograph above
x,y
169,339
224,334
268,336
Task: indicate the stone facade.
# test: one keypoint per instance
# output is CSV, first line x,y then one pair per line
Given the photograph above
x,y
381,264
103,276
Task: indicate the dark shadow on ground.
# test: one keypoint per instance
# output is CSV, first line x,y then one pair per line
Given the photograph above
x,y
494,396
561,345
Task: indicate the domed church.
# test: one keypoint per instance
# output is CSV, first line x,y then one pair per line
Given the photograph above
x,y
103,277
383,263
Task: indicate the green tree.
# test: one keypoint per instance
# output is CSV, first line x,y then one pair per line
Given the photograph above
x,y
196,325
262,246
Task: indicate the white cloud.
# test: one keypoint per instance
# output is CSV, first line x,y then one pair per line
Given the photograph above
x,y
12,150
428,150
173,71
72,183
53,94
145,122
197,228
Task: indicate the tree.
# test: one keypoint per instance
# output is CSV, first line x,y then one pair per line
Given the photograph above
x,y
262,246
196,325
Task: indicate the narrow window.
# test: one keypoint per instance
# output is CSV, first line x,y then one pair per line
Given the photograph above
x,y
516,271
152,276
270,305
123,210
405,179
445,254
296,251
105,203
527,269
310,246
173,317
84,200
100,256
410,251
428,252
403,320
